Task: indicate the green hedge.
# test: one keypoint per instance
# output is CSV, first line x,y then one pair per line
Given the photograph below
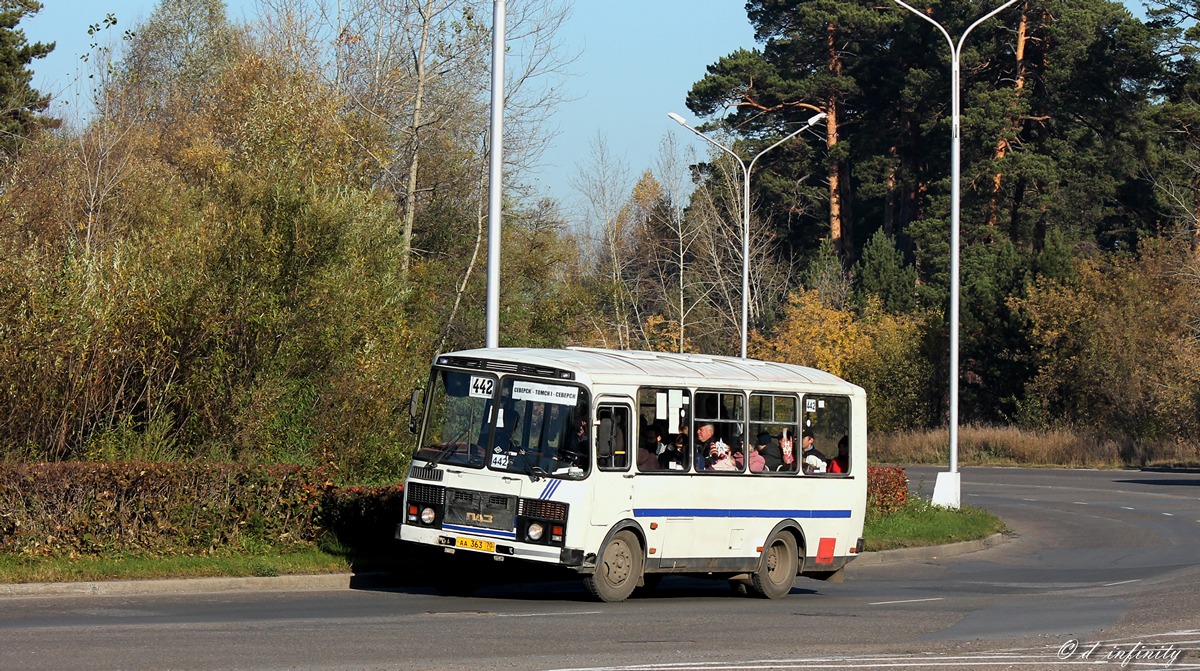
x,y
85,508
362,519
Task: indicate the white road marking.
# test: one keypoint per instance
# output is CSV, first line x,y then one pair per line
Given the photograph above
x,y
1169,514
1040,657
1126,508
1080,503
894,662
1122,582
582,612
883,603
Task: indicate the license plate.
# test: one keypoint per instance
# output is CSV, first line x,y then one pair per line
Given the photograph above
x,y
472,544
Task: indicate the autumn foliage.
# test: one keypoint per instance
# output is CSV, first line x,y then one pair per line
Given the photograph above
x,y
879,351
887,489
156,509
1118,347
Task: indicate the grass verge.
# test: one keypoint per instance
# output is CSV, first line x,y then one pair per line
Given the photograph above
x,y
15,569
919,523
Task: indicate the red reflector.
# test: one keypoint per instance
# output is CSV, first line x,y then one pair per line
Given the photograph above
x,y
556,530
825,550
412,510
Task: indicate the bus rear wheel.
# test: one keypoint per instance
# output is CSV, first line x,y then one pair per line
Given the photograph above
x,y
777,570
618,570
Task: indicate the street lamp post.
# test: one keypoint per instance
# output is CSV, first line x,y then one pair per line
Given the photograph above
x,y
746,204
495,178
947,488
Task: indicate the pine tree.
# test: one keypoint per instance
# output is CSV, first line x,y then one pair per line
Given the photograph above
x,y
810,61
881,272
20,103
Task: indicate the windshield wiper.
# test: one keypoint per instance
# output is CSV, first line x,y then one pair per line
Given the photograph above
x,y
450,447
442,453
531,469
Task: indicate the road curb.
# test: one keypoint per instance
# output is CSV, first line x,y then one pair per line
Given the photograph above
x,y
930,552
325,581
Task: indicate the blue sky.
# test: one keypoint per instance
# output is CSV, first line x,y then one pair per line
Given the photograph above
x,y
638,59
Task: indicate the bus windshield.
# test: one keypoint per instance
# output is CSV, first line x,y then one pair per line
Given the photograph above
x,y
542,429
537,428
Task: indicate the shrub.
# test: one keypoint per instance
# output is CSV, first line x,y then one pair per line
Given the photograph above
x,y
362,519
87,508
871,348
887,489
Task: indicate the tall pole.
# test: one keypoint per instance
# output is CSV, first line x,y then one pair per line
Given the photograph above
x,y
495,177
947,489
746,204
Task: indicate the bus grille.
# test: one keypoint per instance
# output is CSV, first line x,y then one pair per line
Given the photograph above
x,y
546,510
422,493
425,473
478,509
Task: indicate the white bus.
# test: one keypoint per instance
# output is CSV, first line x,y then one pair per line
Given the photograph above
x,y
626,466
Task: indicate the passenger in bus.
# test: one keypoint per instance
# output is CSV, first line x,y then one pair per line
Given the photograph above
x,y
814,461
780,456
576,452
647,460
661,437
758,462
841,463
704,445
721,458
675,456
506,437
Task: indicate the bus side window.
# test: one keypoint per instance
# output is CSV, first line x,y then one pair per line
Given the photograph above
x,y
827,418
612,444
719,438
774,419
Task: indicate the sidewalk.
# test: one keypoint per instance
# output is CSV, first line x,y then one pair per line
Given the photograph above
x,y
338,581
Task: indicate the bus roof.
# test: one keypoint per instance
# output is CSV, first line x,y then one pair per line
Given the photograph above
x,y
636,367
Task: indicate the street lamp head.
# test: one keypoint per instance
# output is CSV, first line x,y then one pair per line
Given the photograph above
x,y
812,121
677,119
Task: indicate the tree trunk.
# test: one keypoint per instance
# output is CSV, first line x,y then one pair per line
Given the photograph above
x,y
1196,217
410,188
831,139
889,202
1003,145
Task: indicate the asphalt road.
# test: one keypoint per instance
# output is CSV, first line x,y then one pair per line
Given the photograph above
x,y
1102,570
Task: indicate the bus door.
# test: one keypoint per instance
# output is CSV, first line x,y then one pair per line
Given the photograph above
x,y
612,488
660,490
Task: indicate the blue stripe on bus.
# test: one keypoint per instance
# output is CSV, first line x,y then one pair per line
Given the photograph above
x,y
740,512
481,532
551,487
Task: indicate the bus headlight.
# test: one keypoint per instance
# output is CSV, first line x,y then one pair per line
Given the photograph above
x,y
428,515
535,531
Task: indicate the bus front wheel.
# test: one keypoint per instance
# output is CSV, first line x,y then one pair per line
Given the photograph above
x,y
618,570
777,570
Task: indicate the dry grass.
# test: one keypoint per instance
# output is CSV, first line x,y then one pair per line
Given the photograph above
x,y
1011,446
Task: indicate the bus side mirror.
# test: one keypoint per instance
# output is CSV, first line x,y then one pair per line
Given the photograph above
x,y
414,409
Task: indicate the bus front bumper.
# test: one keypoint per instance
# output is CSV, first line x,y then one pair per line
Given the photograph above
x,y
455,541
